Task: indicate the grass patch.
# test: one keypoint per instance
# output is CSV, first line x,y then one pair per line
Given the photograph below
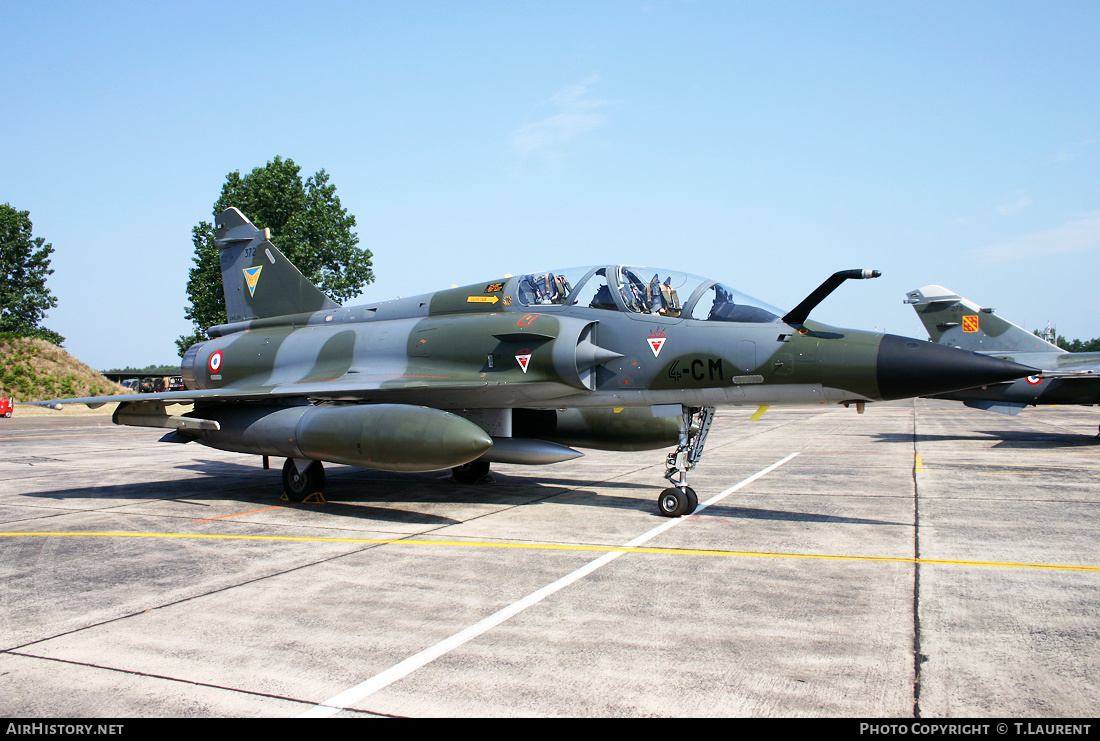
x,y
35,370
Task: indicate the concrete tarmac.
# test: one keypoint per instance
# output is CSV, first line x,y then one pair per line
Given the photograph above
x,y
922,559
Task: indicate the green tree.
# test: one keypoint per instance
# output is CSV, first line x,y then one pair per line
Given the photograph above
x,y
307,224
24,265
1092,345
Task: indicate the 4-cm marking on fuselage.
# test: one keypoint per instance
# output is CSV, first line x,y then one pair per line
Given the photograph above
x,y
700,369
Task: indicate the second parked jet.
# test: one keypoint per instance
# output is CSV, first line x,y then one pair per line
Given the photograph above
x,y
1067,377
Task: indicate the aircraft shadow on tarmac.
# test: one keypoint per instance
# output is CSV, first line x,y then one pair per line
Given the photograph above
x,y
356,492
247,491
350,492
748,513
348,484
1008,438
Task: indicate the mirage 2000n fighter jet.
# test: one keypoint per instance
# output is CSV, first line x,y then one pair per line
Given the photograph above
x,y
515,369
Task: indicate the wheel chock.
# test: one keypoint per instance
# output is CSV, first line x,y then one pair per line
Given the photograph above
x,y
315,498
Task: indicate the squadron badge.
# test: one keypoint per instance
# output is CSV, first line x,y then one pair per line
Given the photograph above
x,y
252,277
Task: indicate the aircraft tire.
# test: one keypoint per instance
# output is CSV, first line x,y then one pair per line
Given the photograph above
x,y
470,473
674,501
298,486
692,500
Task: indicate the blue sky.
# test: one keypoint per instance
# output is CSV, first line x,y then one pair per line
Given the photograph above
x,y
766,144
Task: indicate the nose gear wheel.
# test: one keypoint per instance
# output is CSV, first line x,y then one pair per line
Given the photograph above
x,y
677,501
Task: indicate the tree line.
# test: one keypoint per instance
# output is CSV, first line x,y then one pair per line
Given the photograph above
x,y
1092,345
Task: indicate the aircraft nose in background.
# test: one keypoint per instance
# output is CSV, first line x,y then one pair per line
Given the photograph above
x,y
907,367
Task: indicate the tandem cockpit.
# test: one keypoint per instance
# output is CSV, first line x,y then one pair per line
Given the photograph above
x,y
643,291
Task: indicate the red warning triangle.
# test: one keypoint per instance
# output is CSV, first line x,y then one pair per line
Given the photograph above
x,y
523,361
656,342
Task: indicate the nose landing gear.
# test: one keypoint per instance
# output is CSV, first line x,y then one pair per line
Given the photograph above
x,y
680,499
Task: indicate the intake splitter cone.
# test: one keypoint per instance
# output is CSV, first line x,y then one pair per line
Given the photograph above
x,y
908,367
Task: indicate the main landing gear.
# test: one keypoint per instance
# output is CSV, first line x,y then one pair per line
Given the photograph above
x,y
680,499
300,484
470,473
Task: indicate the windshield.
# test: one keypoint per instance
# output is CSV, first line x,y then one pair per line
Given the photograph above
x,y
720,303
546,289
640,290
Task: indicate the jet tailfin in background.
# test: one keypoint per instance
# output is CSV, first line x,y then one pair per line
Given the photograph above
x,y
258,280
953,320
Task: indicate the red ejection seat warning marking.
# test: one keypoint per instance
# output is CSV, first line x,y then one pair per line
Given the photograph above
x,y
523,360
656,342
970,323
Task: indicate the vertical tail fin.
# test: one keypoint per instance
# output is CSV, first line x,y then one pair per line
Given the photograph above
x,y
952,320
258,280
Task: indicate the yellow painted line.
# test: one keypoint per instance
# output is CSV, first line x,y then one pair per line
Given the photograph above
x,y
1009,473
560,547
918,464
1045,467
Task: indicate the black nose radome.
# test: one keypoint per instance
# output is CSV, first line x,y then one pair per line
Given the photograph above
x,y
908,367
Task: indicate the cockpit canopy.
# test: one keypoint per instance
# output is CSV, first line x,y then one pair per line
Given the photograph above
x,y
639,290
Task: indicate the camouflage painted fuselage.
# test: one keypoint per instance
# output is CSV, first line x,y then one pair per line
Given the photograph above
x,y
468,347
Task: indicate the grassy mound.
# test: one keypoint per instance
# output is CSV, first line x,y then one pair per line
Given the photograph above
x,y
32,370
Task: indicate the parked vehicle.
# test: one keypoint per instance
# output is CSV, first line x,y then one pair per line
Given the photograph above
x,y
151,385
6,406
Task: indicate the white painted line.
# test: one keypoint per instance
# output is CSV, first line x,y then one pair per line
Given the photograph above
x,y
350,696
737,487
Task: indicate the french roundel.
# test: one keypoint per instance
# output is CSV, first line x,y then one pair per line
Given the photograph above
x,y
215,362
1034,380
